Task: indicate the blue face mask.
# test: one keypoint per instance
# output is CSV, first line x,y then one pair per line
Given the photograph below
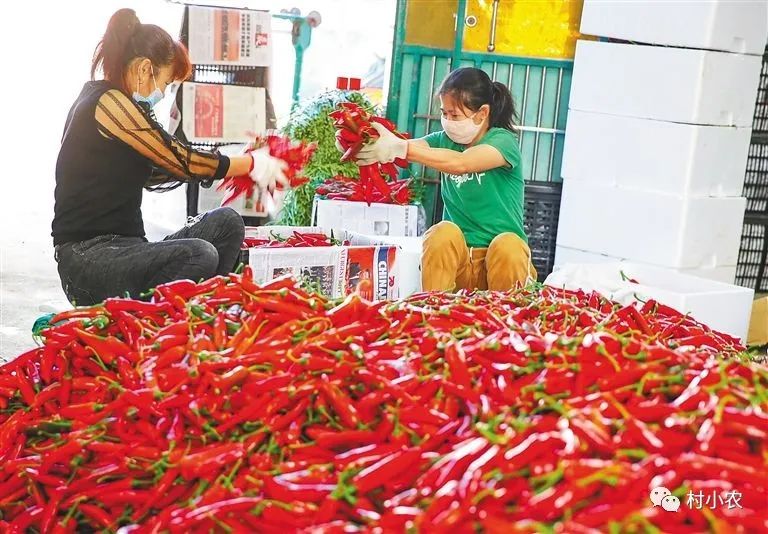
x,y
153,98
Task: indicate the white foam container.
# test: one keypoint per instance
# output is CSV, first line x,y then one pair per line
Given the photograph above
x,y
722,307
666,157
565,255
647,227
668,84
738,26
376,219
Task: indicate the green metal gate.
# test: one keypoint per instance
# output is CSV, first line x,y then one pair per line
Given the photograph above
x,y
540,87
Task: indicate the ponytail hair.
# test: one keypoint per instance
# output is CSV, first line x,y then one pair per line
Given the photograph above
x,y
474,89
126,39
503,113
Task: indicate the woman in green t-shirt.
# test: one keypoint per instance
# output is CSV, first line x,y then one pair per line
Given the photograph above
x,y
481,243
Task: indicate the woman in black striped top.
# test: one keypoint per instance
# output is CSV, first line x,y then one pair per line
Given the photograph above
x,y
112,149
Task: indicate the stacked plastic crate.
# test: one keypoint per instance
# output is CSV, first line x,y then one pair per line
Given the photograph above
x,y
752,270
658,133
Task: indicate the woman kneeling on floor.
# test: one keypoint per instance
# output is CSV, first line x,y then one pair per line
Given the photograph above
x,y
481,243
112,148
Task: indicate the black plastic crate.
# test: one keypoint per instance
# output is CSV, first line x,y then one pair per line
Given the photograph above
x,y
751,268
756,179
542,212
760,121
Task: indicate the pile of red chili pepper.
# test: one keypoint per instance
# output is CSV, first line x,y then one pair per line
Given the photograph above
x,y
296,239
296,155
354,130
353,190
232,407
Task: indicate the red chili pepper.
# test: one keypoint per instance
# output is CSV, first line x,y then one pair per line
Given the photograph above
x,y
107,348
377,474
342,405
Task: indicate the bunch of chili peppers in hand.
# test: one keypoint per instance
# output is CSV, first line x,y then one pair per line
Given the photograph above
x,y
227,406
296,239
296,155
354,130
350,189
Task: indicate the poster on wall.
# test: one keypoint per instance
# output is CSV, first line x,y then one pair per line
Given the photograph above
x,y
230,37
256,205
222,113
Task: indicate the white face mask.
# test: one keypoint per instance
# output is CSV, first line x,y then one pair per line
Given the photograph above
x,y
461,132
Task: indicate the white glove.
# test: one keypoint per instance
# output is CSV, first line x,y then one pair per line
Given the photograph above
x,y
268,171
385,149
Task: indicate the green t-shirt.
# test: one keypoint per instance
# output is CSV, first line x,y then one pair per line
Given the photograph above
x,y
488,203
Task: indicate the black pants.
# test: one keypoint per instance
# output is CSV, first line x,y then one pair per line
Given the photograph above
x,y
113,265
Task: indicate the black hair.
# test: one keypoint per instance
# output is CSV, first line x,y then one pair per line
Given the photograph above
x,y
474,88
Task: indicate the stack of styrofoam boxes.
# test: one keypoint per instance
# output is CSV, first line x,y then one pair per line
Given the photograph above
x,y
657,137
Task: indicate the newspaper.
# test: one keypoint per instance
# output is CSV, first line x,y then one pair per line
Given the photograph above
x,y
372,271
222,113
220,36
376,219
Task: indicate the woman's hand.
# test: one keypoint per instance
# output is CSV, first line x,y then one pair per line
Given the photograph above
x,y
385,149
268,171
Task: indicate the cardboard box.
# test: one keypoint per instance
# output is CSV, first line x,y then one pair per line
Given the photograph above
x,y
376,219
738,26
373,271
666,84
758,323
658,156
722,307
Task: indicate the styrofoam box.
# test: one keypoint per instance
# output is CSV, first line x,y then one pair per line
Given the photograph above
x,y
731,25
670,84
722,307
376,219
655,228
668,157
564,255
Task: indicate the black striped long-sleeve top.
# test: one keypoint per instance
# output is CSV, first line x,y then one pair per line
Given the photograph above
x,y
111,149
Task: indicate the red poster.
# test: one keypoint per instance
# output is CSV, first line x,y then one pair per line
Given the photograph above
x,y
226,35
209,111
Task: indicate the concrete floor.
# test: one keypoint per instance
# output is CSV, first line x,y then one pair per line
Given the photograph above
x,y
29,282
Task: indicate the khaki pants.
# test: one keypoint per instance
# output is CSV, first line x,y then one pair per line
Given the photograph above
x,y
447,263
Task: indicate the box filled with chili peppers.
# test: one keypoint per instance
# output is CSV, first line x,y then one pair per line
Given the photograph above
x,y
324,261
375,219
724,307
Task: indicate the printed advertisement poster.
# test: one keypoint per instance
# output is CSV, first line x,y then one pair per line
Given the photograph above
x,y
222,113
371,272
229,37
